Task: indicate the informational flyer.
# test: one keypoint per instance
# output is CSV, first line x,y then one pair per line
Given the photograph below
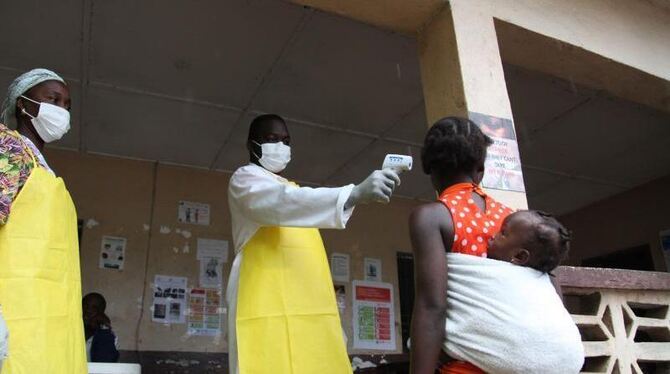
x,y
373,269
193,213
169,304
112,252
339,267
205,312
211,269
503,164
665,247
212,253
373,317
208,248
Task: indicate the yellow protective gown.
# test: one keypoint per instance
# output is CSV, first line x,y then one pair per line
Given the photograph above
x,y
40,281
287,317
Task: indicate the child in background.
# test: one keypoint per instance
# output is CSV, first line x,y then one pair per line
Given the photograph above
x,y
101,343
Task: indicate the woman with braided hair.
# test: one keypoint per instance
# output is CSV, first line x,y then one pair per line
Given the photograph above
x,y
496,317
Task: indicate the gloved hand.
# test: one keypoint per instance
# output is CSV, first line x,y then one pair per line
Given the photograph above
x,y
377,187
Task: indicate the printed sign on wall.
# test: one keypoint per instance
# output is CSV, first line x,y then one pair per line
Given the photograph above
x,y
373,269
193,213
112,252
169,304
339,267
503,164
204,312
374,317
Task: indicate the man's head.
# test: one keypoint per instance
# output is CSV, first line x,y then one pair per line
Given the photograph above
x,y
454,148
531,238
268,142
93,304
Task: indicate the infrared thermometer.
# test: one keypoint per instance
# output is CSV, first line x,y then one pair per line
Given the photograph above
x,y
397,163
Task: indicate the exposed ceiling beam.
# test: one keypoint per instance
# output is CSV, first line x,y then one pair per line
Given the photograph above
x,y
382,136
403,16
536,130
305,17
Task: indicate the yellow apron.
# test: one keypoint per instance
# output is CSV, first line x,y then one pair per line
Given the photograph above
x,y
287,317
40,281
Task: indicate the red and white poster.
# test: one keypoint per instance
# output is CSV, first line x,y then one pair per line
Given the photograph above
x,y
374,317
503,164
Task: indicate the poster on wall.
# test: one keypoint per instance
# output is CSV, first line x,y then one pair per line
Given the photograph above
x,y
503,163
211,269
204,312
373,269
169,304
193,213
339,267
665,247
208,248
212,253
374,317
112,252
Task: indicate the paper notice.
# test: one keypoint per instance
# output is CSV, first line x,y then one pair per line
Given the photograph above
x,y
112,252
169,304
205,312
193,213
373,316
339,267
213,248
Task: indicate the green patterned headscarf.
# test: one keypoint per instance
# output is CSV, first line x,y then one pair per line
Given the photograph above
x,y
20,85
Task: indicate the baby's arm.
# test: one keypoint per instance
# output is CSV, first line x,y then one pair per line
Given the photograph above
x,y
429,225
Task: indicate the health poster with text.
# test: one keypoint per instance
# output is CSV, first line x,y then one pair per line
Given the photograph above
x,y
204,312
374,317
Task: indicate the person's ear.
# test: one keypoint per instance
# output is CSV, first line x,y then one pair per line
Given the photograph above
x,y
521,257
20,106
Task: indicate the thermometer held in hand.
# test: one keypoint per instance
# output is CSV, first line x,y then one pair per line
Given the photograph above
x,y
397,163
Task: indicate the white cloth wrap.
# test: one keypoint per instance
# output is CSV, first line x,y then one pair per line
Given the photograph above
x,y
505,318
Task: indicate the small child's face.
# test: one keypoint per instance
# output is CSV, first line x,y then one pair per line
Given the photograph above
x,y
507,244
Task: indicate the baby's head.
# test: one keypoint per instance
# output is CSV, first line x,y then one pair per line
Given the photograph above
x,y
531,238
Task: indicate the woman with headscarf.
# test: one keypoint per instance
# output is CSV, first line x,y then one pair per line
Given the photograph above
x,y
40,281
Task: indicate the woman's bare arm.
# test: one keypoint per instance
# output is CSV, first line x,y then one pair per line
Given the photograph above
x,y
430,225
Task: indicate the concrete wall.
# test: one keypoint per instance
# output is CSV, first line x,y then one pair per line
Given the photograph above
x,y
632,32
630,219
134,199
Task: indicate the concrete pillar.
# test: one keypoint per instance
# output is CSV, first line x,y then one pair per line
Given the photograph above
x,y
462,71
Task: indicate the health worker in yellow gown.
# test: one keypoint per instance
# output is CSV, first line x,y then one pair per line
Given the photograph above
x,y
283,317
40,281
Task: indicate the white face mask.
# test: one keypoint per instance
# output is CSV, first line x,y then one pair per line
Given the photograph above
x,y
52,121
275,156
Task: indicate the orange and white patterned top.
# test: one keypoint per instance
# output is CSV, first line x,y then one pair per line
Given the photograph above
x,y
473,228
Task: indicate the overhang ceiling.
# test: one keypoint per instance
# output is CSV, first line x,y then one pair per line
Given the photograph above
x,y
579,145
179,84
